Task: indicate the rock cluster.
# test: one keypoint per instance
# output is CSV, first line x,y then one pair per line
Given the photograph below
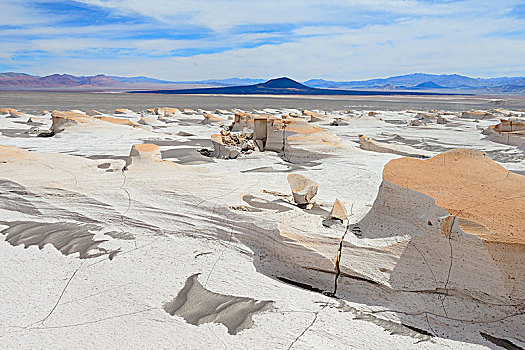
x,y
424,118
13,113
229,145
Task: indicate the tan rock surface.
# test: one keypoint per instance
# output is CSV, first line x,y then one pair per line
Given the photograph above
x,y
338,211
488,199
123,111
14,113
166,111
146,151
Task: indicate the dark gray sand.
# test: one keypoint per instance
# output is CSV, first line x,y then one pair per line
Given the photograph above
x,y
35,102
66,237
197,305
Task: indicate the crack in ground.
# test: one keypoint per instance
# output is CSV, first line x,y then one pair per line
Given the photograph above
x,y
449,267
426,262
332,294
98,320
428,323
127,192
316,314
58,300
419,313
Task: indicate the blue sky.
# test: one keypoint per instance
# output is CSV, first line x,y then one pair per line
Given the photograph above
x,y
201,39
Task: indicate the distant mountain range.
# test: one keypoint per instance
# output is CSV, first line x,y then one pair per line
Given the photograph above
x,y
25,81
21,80
227,82
279,86
410,82
140,79
421,81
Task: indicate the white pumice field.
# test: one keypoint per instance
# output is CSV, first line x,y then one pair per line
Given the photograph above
x,y
266,229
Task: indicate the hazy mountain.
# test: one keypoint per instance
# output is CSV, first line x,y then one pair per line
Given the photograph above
x,y
428,85
21,80
227,82
140,79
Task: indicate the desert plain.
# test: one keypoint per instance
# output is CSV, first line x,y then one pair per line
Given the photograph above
x,y
263,227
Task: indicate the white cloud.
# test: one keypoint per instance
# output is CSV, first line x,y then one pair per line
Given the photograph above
x,y
386,37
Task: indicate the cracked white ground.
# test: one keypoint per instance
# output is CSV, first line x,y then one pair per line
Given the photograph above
x,y
97,247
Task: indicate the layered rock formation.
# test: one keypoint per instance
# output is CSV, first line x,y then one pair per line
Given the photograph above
x,y
461,217
477,115
508,132
61,120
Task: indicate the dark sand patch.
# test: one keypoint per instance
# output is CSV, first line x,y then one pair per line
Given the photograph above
x,y
317,210
187,156
504,343
396,121
127,159
198,305
261,203
184,133
104,165
186,142
393,327
68,238
290,167
126,236
12,198
28,123
507,156
25,133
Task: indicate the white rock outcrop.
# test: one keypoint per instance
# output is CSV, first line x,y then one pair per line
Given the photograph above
x,y
368,144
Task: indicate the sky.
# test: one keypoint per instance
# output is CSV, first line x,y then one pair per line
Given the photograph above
x,y
303,39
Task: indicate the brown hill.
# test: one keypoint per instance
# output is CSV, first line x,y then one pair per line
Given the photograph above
x,y
21,80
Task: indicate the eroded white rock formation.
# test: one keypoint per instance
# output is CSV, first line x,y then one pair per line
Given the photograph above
x,y
508,131
368,144
303,188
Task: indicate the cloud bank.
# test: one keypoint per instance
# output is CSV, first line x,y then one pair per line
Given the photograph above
x,y
200,39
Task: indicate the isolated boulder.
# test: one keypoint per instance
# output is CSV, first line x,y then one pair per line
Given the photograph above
x,y
145,151
166,111
338,211
303,189
93,112
63,119
123,111
477,115
415,122
441,120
